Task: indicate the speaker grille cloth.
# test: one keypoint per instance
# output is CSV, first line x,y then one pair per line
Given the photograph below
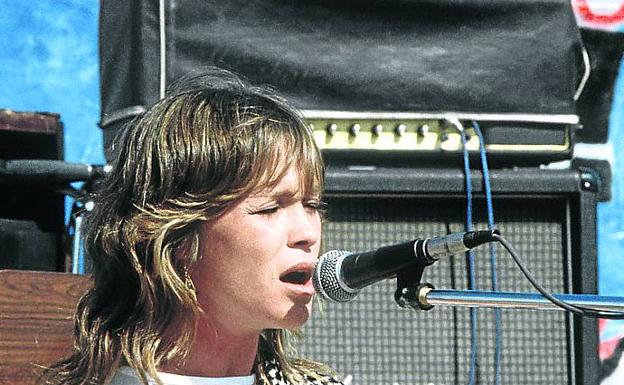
x,y
376,342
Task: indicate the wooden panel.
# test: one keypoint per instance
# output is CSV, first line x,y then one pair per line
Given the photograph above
x,y
39,122
36,321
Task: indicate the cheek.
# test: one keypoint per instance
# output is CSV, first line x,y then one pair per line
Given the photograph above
x,y
229,255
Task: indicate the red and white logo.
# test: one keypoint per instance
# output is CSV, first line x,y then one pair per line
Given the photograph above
x,y
601,14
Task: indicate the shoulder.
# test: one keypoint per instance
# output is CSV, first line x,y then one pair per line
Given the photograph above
x,y
275,376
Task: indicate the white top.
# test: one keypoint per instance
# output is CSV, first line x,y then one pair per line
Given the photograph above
x,y
127,376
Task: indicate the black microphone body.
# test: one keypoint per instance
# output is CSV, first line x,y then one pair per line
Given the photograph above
x,y
339,275
359,270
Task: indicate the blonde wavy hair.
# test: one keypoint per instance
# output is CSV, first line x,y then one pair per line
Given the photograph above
x,y
214,140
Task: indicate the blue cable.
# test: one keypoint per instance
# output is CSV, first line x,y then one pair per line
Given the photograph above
x,y
470,260
493,257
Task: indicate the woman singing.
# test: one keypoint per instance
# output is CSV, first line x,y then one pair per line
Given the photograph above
x,y
203,241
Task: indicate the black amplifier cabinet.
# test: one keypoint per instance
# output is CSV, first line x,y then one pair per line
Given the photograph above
x,y
31,216
548,215
420,59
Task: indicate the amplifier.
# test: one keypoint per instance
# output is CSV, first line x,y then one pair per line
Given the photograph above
x,y
398,137
414,56
548,215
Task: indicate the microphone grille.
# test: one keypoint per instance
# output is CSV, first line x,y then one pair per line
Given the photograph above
x,y
326,278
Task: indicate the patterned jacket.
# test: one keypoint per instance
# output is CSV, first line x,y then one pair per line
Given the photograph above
x,y
276,376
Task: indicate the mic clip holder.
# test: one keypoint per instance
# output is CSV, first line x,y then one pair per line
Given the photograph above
x,y
414,297
409,287
428,252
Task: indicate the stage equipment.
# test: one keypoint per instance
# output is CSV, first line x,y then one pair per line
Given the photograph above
x,y
31,214
379,83
426,297
411,292
374,80
549,215
50,172
340,274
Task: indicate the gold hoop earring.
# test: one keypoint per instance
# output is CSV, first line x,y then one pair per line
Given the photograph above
x,y
188,281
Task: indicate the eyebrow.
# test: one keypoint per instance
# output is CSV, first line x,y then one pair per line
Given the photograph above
x,y
282,193
275,194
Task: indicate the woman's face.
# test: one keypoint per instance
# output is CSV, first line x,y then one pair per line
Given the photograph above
x,y
257,260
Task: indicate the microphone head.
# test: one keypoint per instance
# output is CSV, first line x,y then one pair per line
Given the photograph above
x,y
326,279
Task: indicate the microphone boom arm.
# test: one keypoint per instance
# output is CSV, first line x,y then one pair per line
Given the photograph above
x,y
425,296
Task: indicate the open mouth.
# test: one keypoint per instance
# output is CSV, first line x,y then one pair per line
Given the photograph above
x,y
297,276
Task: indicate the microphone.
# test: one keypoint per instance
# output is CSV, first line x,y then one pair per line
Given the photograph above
x,y
340,275
36,171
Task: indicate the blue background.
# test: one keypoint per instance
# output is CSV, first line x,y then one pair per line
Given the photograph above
x,y
49,62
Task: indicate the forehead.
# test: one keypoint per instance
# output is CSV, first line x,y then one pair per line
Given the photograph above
x,y
290,183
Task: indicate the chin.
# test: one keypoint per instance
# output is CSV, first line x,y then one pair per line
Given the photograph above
x,y
296,316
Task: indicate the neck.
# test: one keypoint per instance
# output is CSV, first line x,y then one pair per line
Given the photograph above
x,y
218,352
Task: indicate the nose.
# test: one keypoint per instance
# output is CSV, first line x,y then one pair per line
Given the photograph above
x,y
304,228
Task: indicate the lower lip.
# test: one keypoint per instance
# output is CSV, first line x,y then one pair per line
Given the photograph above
x,y
306,289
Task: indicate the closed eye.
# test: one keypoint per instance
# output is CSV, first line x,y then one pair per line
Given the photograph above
x,y
266,210
312,206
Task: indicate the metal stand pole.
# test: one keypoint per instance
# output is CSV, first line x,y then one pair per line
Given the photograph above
x,y
77,255
425,297
77,262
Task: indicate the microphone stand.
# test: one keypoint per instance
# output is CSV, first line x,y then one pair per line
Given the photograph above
x,y
424,297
